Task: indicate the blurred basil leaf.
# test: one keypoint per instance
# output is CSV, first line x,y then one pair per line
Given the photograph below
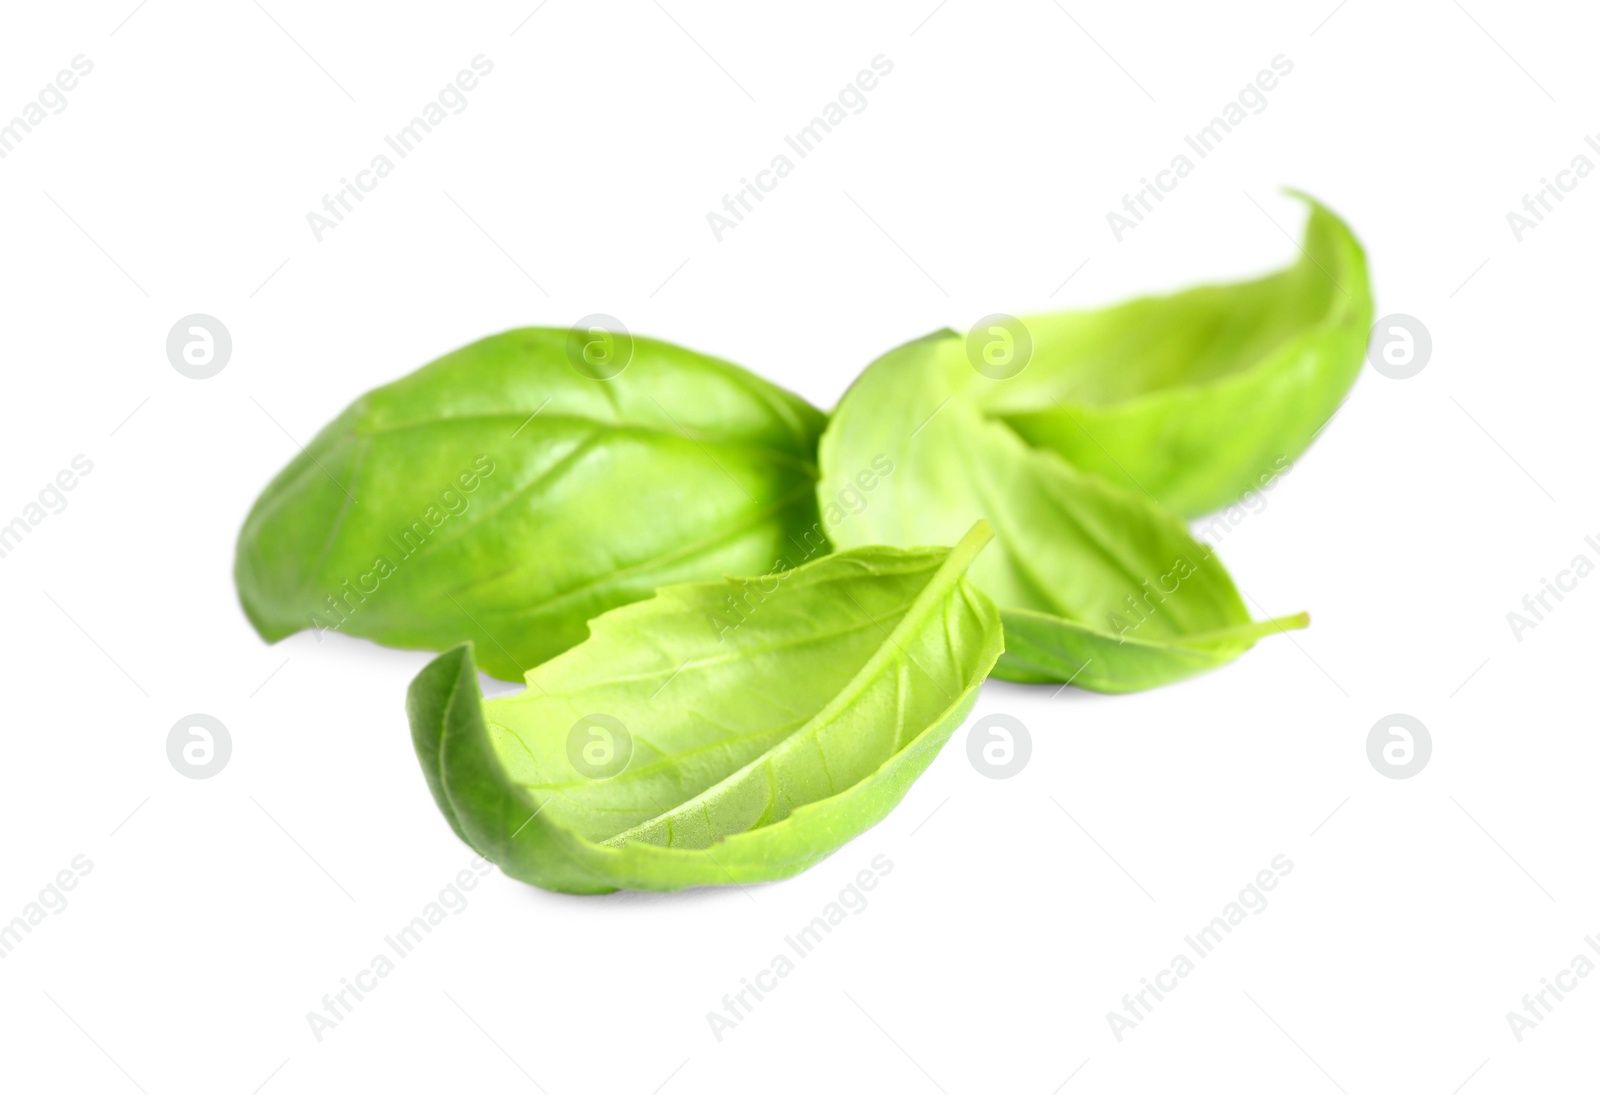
x,y
1197,397
1096,585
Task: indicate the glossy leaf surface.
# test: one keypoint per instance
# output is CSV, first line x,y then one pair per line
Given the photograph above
x,y
718,733
507,494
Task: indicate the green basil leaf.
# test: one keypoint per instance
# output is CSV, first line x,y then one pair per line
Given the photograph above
x,y
1197,397
721,732
503,496
1096,585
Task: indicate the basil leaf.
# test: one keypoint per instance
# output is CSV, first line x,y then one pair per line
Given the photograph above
x,y
721,732
501,495
1198,397
1096,585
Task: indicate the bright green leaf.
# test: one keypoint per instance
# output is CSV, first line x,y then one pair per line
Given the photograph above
x,y
1197,397
1097,585
502,495
721,732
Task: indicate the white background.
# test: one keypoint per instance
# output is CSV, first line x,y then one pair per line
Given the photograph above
x,y
218,912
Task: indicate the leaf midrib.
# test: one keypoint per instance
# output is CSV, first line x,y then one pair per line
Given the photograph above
x,y
950,571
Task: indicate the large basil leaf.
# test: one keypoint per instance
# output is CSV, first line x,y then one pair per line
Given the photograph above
x,y
507,494
1198,397
1096,585
721,732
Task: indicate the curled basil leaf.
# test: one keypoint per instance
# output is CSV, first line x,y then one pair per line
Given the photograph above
x,y
720,733
515,489
1197,397
1096,585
